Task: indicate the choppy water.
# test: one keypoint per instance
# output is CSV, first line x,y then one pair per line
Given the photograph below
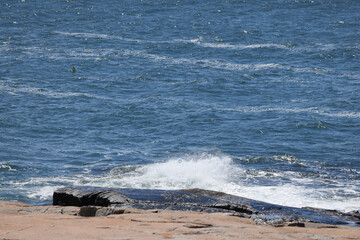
x,y
256,98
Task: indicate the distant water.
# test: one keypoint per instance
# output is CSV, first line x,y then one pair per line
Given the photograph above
x,y
259,99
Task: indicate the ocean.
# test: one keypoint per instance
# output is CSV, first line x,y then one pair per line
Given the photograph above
x,y
259,99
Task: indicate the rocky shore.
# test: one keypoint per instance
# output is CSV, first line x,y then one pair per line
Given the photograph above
x,y
200,200
91,213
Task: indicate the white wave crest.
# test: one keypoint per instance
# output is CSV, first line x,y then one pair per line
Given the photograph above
x,y
241,46
216,172
313,110
199,171
206,63
7,166
220,173
41,91
43,193
197,41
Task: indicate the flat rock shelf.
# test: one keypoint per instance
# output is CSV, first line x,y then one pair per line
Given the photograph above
x,y
101,202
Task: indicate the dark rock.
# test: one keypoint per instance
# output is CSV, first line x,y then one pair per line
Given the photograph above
x,y
355,214
242,215
109,211
198,225
69,197
92,211
87,196
88,211
296,224
107,198
237,207
196,200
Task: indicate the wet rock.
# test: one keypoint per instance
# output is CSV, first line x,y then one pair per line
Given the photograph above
x,y
112,200
87,196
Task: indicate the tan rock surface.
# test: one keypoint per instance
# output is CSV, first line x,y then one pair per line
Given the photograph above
x,y
21,221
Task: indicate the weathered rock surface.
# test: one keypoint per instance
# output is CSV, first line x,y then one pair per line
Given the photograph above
x,y
196,200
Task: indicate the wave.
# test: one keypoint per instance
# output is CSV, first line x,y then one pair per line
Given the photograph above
x,y
205,63
192,171
241,46
218,172
8,167
99,36
246,109
99,54
313,110
197,41
310,47
42,91
102,54
106,54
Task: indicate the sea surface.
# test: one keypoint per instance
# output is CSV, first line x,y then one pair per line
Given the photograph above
x,y
255,98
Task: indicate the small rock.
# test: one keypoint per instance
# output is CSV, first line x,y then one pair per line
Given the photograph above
x,y
88,211
109,211
296,224
198,225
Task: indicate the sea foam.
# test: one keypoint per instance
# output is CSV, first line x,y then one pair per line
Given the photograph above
x,y
199,171
217,172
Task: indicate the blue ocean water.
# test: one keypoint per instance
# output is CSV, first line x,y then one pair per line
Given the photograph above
x,y
259,99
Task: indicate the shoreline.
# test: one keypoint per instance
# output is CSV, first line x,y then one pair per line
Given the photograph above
x,y
23,221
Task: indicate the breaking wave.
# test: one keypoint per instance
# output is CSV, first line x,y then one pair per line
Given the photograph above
x,y
218,172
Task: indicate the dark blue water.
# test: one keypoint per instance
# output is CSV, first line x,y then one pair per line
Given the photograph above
x,y
255,98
